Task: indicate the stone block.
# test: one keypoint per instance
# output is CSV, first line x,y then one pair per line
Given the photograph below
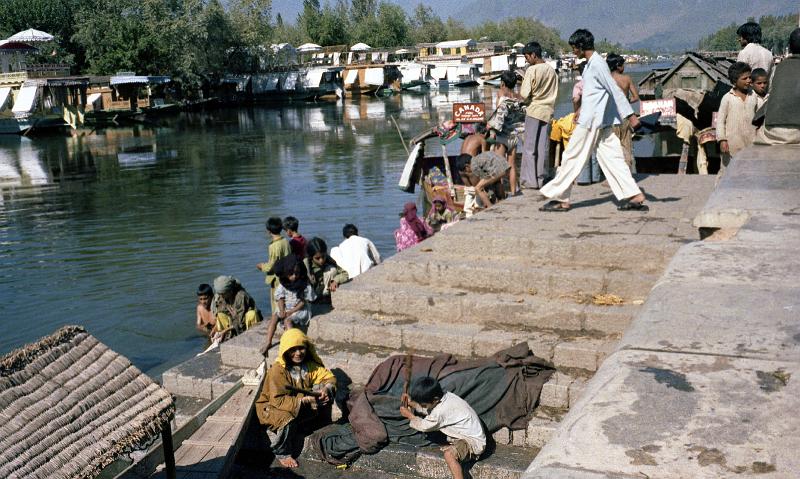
x,y
431,464
543,345
518,437
486,343
456,339
223,382
502,436
580,353
244,350
576,391
539,432
555,392
610,319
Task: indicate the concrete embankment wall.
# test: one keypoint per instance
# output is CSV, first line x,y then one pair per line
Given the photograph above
x,y
706,380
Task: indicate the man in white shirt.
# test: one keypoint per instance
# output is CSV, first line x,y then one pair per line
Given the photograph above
x,y
355,254
603,105
752,52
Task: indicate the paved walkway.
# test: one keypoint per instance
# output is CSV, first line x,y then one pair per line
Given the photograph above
x,y
704,383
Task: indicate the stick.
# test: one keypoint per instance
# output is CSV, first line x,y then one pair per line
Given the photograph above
x,y
408,363
402,140
307,392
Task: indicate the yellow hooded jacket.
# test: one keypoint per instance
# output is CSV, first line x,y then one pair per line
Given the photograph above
x,y
276,406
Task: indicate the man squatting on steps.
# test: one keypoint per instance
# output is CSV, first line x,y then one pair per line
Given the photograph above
x,y
449,414
603,105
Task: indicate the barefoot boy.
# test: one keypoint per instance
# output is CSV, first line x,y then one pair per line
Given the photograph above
x,y
205,319
452,416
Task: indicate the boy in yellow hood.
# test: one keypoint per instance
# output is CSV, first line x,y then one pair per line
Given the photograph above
x,y
281,406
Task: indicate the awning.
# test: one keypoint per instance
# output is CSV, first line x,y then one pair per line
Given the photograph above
x,y
309,47
68,82
290,83
91,99
240,81
138,80
26,99
439,73
314,77
499,63
5,94
351,77
374,76
360,47
456,44
31,35
9,46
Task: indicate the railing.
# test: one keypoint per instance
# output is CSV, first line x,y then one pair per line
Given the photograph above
x,y
47,70
15,77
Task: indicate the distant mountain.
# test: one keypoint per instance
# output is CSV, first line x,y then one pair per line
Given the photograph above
x,y
660,25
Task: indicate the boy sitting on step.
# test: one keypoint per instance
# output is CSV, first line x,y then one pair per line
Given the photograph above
x,y
449,414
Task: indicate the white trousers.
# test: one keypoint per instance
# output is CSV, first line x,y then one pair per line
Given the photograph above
x,y
583,142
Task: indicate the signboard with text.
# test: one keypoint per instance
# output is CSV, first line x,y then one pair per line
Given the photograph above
x,y
666,106
469,112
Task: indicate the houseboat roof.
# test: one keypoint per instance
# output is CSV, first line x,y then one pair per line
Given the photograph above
x,y
456,44
139,79
709,67
61,81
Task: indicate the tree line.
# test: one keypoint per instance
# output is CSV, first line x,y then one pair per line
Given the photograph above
x,y
197,41
775,32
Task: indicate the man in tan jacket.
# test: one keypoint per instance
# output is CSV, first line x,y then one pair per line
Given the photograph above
x,y
539,91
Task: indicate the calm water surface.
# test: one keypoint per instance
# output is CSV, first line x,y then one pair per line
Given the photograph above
x,y
114,229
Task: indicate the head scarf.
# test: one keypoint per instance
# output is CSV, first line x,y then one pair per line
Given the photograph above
x,y
293,338
223,284
285,267
410,214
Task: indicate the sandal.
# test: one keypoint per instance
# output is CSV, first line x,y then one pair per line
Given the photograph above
x,y
555,207
633,206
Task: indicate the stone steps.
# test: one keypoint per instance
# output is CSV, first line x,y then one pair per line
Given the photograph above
x,y
404,303
479,275
204,377
632,252
502,462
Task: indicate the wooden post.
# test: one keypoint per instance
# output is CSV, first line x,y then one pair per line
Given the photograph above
x,y
169,451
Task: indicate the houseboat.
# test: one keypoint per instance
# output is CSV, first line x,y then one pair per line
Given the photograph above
x,y
45,103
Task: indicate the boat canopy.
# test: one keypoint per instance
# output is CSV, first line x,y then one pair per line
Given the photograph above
x,y
456,44
360,47
373,76
139,79
309,47
5,94
26,99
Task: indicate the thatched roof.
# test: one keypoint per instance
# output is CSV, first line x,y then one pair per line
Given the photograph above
x,y
69,406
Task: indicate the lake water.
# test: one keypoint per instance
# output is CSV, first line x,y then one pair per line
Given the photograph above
x,y
114,229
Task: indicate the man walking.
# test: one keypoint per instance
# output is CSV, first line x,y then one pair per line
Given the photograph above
x,y
603,105
539,90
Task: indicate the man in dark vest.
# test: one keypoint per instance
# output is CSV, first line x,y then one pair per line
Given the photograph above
x,y
781,121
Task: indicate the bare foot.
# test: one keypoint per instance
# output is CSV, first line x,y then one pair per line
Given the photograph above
x,y
289,462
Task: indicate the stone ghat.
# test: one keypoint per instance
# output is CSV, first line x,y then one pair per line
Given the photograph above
x,y
704,383
568,284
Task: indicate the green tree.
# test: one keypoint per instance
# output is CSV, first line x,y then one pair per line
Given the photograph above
x,y
252,20
363,10
392,26
334,26
456,30
775,32
426,26
309,19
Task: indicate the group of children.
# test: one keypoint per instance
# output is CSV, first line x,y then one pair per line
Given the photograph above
x,y
298,272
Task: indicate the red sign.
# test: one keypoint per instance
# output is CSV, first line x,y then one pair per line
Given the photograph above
x,y
469,112
665,106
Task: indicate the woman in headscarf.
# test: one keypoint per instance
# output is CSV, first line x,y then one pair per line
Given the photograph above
x,y
293,295
234,309
412,229
285,404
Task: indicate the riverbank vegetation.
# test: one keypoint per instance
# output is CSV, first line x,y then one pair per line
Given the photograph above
x,y
199,40
775,32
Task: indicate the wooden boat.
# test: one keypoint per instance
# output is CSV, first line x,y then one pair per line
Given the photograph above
x,y
416,170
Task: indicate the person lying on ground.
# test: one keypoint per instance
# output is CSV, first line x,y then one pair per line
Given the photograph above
x,y
293,295
440,214
234,309
489,169
448,413
205,321
324,275
296,387
412,229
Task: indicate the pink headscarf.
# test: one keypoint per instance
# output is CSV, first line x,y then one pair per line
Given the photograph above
x,y
410,214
